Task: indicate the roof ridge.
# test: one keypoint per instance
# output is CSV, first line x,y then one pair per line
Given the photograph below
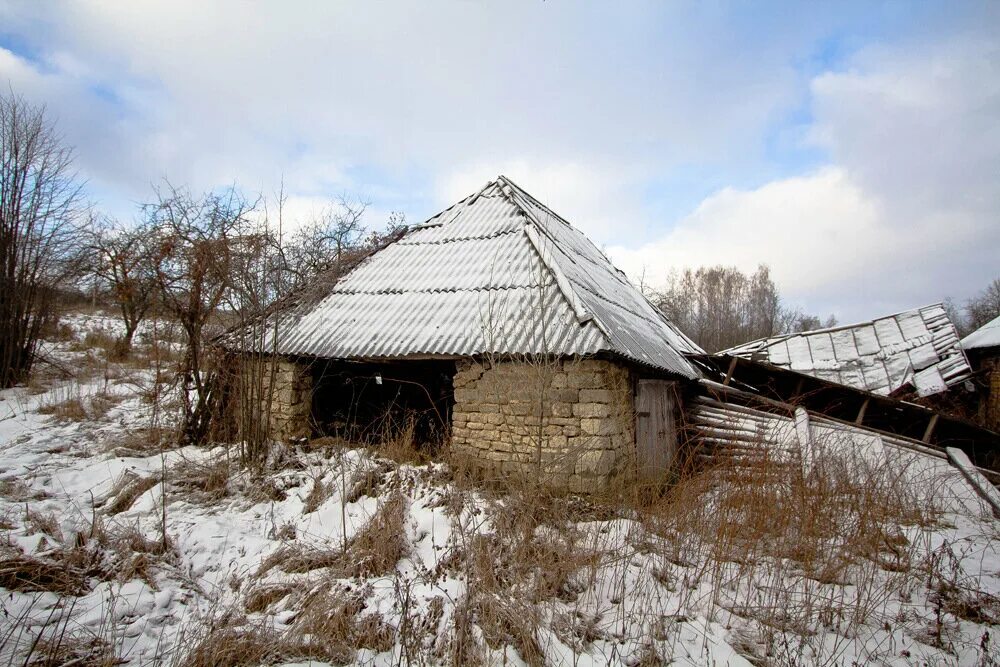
x,y
532,229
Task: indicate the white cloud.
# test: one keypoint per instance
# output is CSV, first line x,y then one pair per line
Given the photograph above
x,y
905,215
585,106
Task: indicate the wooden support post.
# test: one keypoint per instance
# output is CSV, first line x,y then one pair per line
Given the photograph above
x,y
930,428
798,389
861,413
729,373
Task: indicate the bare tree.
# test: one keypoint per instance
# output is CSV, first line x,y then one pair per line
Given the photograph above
x,y
720,306
323,242
126,262
41,215
198,240
984,307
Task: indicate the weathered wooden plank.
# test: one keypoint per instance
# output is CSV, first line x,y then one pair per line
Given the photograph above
x,y
656,430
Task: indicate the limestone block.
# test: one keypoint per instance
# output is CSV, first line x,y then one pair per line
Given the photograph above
x,y
591,410
466,395
558,442
600,426
590,442
596,396
562,409
588,380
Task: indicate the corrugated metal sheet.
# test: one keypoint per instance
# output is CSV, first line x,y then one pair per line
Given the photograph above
x,y
917,347
987,335
496,273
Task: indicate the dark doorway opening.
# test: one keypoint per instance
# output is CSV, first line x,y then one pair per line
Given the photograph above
x,y
371,402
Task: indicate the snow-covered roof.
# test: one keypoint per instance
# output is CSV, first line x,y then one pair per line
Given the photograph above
x,y
498,272
987,335
918,347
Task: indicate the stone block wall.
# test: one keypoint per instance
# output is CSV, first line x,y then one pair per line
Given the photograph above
x,y
569,422
290,402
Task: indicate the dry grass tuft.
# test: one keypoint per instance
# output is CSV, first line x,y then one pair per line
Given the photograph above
x,y
373,551
127,490
77,650
366,481
317,496
261,598
40,522
28,574
206,481
71,409
17,491
145,441
229,646
381,543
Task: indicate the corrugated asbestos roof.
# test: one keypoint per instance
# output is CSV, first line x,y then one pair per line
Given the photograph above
x,y
918,347
497,273
987,335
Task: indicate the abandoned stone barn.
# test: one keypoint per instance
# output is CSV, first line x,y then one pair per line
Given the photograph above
x,y
504,329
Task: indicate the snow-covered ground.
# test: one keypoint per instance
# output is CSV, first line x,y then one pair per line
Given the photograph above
x,y
335,555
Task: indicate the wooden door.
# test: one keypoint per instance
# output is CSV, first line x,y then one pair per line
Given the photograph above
x,y
655,428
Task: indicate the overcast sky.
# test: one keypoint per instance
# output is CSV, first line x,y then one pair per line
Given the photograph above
x,y
853,148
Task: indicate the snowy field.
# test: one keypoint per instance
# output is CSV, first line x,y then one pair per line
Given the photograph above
x,y
117,546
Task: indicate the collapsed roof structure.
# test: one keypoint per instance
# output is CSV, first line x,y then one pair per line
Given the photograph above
x,y
916,348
